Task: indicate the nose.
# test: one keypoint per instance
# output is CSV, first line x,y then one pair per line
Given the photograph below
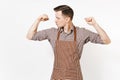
x,y
55,20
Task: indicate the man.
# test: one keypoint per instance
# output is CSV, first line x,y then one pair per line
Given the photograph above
x,y
67,41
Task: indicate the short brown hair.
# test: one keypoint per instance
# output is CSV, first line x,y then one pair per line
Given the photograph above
x,y
66,10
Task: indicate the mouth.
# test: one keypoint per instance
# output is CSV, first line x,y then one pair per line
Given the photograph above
x,y
56,23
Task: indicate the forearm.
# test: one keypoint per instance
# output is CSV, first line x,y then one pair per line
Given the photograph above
x,y
102,34
33,29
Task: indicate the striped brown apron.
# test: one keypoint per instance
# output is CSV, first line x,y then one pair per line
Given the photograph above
x,y
66,61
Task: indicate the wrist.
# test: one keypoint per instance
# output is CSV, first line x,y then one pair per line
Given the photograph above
x,y
95,24
38,20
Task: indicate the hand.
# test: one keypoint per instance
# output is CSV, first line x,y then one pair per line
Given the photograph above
x,y
43,17
90,21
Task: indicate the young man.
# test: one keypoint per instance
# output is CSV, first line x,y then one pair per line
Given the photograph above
x,y
67,41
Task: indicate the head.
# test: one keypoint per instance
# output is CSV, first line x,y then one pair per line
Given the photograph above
x,y
64,15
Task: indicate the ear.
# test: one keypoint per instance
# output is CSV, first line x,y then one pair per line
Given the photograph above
x,y
67,19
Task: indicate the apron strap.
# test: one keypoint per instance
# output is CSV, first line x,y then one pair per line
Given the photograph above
x,y
75,33
58,35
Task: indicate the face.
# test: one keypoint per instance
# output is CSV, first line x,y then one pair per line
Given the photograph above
x,y
60,19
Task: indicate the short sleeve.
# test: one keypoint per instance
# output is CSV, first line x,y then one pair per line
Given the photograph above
x,y
43,34
92,37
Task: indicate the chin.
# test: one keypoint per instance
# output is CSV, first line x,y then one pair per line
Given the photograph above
x,y
59,26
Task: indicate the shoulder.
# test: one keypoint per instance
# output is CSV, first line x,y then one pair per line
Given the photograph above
x,y
80,29
53,29
83,31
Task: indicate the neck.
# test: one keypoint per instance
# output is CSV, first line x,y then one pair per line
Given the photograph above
x,y
67,27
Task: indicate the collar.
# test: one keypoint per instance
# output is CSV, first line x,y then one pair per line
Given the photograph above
x,y
62,29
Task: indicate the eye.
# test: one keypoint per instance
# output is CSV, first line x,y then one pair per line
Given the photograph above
x,y
57,18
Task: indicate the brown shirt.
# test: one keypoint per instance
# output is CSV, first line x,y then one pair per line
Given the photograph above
x,y
83,36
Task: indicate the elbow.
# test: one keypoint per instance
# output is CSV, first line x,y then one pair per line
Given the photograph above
x,y
28,37
107,41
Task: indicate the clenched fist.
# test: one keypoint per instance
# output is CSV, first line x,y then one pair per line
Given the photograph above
x,y
90,20
43,17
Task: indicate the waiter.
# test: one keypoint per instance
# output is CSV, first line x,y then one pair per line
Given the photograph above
x,y
67,41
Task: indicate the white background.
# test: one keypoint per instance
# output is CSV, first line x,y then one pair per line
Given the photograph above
x,y
22,59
